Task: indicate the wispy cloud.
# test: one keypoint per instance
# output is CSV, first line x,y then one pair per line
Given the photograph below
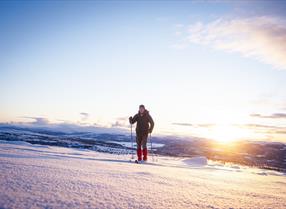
x,y
182,124
206,125
199,125
272,116
121,122
68,126
258,126
84,116
37,120
265,129
262,38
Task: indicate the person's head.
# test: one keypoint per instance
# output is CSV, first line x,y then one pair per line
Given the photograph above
x,y
142,109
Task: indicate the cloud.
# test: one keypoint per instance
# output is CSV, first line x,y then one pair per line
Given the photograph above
x,y
259,126
84,116
206,125
38,120
182,124
262,38
273,116
67,126
199,125
121,122
265,129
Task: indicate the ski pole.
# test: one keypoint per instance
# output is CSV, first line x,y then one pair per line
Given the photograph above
x,y
151,147
131,135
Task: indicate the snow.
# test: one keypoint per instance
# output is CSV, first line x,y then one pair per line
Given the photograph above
x,y
196,161
56,177
129,144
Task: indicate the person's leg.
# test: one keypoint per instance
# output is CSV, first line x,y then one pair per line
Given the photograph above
x,y
144,145
139,144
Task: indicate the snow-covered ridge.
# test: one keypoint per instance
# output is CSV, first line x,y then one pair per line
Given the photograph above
x,y
258,154
40,176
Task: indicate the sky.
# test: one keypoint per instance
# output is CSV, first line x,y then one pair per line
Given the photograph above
x,y
212,69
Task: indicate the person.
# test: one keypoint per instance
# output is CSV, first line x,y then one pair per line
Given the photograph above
x,y
145,125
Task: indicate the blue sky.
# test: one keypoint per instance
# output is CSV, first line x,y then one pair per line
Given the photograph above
x,y
214,69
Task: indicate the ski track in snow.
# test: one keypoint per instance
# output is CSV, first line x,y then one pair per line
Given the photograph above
x,y
36,176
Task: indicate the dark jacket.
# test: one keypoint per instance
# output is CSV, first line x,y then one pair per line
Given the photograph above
x,y
142,126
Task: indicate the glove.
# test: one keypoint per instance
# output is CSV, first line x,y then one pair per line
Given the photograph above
x,y
130,119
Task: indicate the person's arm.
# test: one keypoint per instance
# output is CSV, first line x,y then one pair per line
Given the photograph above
x,y
133,119
151,123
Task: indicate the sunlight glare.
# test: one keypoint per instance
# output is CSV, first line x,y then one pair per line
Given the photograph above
x,y
227,133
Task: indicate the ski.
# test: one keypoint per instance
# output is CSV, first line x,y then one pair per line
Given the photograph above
x,y
140,162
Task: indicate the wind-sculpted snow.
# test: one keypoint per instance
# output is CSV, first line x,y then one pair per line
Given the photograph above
x,y
196,161
37,176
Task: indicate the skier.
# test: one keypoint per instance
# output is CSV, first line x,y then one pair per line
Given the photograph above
x,y
143,119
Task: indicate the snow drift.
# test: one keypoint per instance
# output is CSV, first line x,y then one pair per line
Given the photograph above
x,y
196,161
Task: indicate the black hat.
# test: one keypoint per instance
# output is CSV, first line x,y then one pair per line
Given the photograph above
x,y
141,106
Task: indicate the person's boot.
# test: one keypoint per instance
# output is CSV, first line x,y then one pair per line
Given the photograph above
x,y
139,154
145,152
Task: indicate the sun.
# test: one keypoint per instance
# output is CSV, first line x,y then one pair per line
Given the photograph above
x,y
227,133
